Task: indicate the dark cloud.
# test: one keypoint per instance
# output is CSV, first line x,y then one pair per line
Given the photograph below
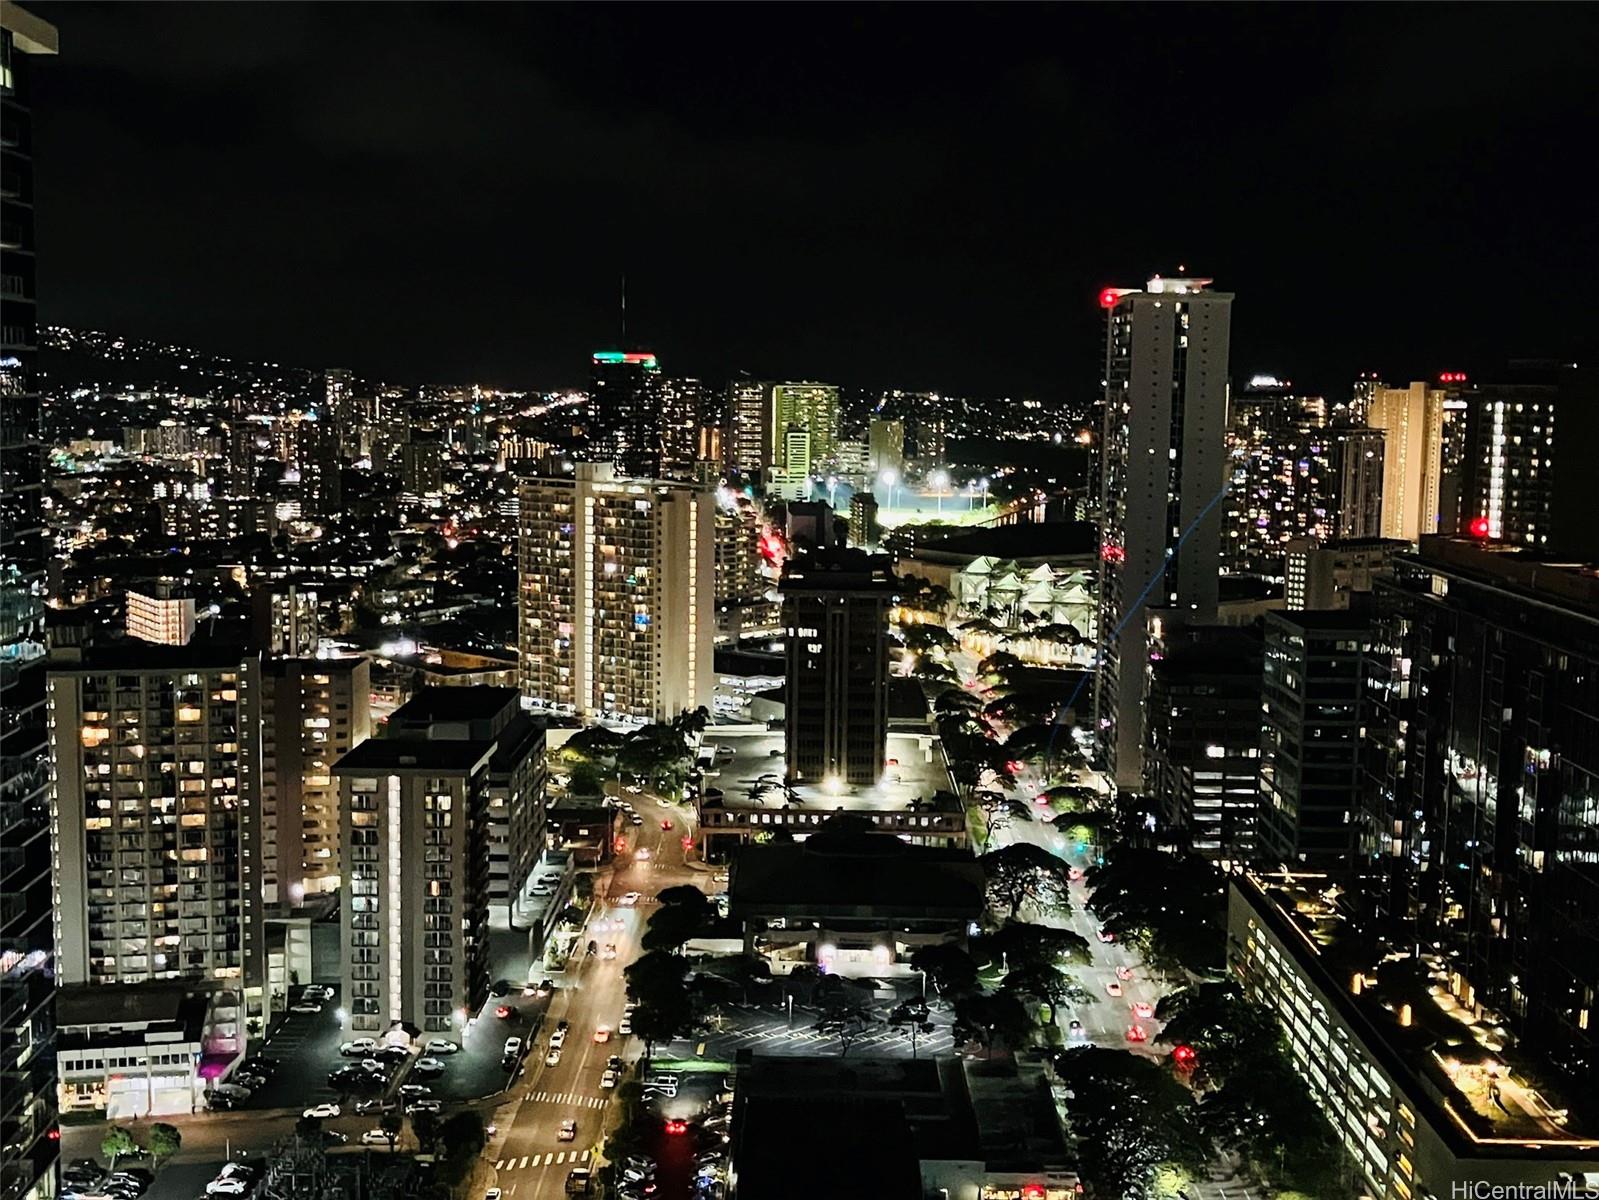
x,y
921,195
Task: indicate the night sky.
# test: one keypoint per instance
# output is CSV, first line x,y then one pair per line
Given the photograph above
x,y
911,196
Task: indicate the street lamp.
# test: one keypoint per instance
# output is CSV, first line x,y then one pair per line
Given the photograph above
x,y
940,481
890,479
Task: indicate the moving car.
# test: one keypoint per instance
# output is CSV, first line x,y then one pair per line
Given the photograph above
x,y
375,1105
429,1066
602,1033
307,1006
232,1091
629,899
322,1111
413,1091
635,819
503,1012
359,1046
501,987
609,952
1104,935
391,1054
553,1057
227,1187
1076,1031
558,1038
492,1194
426,1104
614,1063
442,1046
608,1080
667,825
545,987
374,1137
1124,973
568,1131
513,1049
625,1025
1137,1033
1143,1011
1113,988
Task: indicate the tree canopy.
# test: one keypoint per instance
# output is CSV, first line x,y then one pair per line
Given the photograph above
x,y
1021,873
1174,905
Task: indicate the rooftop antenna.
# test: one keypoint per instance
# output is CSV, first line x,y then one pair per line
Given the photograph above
x,y
624,311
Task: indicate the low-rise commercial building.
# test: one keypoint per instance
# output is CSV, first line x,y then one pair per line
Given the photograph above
x,y
142,1051
945,1127
852,902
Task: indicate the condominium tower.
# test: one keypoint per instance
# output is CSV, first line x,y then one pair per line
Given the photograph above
x,y
617,594
1163,471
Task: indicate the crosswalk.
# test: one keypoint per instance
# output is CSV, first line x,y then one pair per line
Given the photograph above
x,y
571,1098
756,1035
554,1158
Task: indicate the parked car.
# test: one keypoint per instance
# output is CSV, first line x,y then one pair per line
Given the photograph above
x,y
413,1091
375,1104
558,1038
360,1045
428,1066
322,1111
233,1091
427,1104
374,1137
442,1046
608,1080
306,1006
391,1054
227,1187
553,1057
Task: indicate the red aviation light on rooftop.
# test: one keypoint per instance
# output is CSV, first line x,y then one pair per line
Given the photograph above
x,y
1452,377
1110,297
1479,527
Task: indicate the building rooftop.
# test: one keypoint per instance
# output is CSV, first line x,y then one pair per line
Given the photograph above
x,y
87,1014
454,705
1488,1092
1323,620
1023,543
841,570
1574,585
382,755
134,656
857,871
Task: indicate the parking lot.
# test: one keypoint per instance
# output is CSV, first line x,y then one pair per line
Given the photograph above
x,y
306,1048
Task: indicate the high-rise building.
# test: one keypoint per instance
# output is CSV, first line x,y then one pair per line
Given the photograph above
x,y
885,441
156,824
28,1129
681,402
314,710
340,408
738,536
416,825
835,617
625,413
1202,738
284,619
422,464
617,594
1484,815
1320,577
166,617
1412,421
1163,471
318,459
863,527
1508,468
749,428
1312,761
1357,466
791,480
812,407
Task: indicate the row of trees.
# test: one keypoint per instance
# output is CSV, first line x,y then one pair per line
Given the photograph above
x,y
659,754
1143,1127
162,1141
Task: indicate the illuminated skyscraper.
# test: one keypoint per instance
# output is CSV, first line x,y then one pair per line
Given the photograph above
x,y
1163,471
1508,458
156,822
812,407
30,1141
625,418
1412,421
617,594
749,428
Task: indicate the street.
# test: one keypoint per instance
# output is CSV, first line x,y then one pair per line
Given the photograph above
x,y
528,1158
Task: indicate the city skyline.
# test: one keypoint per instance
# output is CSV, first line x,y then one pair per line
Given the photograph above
x,y
862,150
